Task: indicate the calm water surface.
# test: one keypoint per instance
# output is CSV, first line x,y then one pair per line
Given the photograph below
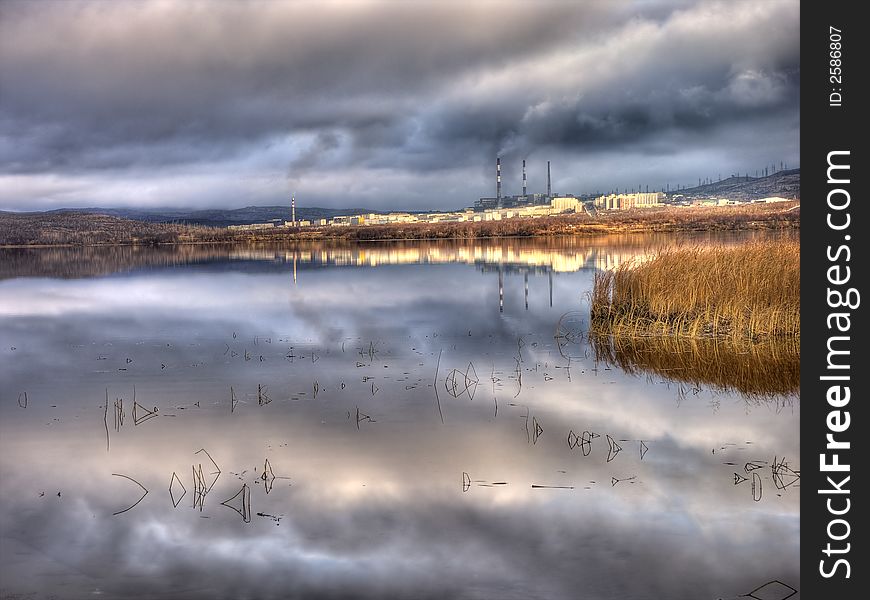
x,y
382,421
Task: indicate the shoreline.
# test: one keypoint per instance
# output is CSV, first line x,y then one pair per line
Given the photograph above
x,y
177,244
97,230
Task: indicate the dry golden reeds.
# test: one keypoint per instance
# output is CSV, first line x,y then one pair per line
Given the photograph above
x,y
749,292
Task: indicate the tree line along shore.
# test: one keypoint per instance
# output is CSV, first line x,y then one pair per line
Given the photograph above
x,y
91,229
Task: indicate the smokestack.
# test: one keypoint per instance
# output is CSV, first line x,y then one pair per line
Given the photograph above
x,y
549,189
293,210
498,178
524,177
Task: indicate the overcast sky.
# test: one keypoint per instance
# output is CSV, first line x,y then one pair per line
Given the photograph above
x,y
386,105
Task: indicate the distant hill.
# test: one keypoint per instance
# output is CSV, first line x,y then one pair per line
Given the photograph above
x,y
785,184
219,217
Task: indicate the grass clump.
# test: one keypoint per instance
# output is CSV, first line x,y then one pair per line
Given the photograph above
x,y
749,292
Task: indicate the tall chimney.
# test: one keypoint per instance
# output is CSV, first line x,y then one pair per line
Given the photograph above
x,y
524,177
549,189
293,210
498,178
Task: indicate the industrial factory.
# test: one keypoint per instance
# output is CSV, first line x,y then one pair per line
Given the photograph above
x,y
497,208
525,199
563,203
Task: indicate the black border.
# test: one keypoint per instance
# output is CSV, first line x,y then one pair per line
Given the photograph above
x,y
824,129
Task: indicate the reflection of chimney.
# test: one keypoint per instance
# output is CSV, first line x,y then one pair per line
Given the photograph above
x,y
549,189
524,177
550,275
500,290
526,287
498,178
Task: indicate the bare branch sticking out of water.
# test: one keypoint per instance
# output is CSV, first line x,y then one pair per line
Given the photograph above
x,y
435,385
173,481
106,418
613,448
262,397
538,430
241,503
360,417
144,489
772,589
142,414
518,372
614,480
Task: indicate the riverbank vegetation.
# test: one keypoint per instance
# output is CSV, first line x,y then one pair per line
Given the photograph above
x,y
749,292
88,229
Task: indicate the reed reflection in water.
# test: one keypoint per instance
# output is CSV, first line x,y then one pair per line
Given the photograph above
x,y
768,370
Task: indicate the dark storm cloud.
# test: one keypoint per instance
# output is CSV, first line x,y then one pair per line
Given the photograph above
x,y
199,74
200,103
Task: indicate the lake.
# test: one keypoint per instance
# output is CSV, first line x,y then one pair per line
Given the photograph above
x,y
394,420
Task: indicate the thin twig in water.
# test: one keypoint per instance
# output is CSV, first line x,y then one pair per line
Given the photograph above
x,y
435,385
137,501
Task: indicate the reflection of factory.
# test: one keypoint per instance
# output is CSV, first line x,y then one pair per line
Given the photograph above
x,y
513,269
592,258
516,201
486,258
605,261
505,261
